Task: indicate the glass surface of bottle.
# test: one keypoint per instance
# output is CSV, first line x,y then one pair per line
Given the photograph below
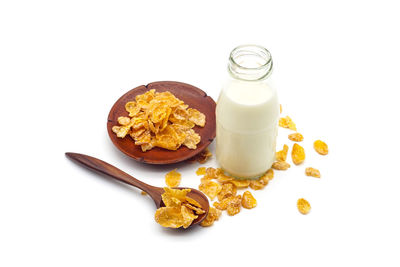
x,y
247,114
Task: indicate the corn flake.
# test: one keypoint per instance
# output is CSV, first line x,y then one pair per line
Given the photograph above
x,y
321,147
296,137
281,155
287,122
213,215
298,154
210,188
248,201
303,206
173,178
313,172
201,171
281,165
234,205
241,183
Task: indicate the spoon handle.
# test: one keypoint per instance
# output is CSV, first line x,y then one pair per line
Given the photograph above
x,y
114,172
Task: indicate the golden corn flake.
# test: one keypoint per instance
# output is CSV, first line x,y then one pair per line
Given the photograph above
x,y
192,201
303,206
213,215
281,155
159,119
287,122
194,208
234,205
211,173
248,201
210,188
192,139
120,131
298,154
188,216
313,172
179,194
201,171
173,178
143,193
169,217
241,183
179,210
296,137
124,120
280,108
321,147
281,165
197,117
228,190
222,178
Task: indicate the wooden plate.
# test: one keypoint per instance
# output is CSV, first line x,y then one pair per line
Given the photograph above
x,y
192,96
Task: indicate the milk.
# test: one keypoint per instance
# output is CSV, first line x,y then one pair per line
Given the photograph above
x,y
247,123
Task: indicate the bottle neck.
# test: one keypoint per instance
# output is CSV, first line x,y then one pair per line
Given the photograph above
x,y
250,63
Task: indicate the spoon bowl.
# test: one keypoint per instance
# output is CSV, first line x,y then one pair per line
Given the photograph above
x,y
153,191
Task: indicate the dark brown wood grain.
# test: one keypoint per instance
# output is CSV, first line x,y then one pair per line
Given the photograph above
x,y
192,96
153,191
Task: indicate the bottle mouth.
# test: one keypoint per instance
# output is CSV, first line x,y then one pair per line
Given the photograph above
x,y
250,63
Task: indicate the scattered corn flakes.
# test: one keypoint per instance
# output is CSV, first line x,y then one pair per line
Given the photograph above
x,y
287,122
281,165
248,201
321,147
281,155
223,204
303,206
313,172
173,178
298,154
201,171
296,137
210,188
159,119
212,216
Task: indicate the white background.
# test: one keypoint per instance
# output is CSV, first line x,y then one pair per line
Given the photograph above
x,y
64,63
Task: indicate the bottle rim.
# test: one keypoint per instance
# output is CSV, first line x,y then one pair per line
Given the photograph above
x,y
253,73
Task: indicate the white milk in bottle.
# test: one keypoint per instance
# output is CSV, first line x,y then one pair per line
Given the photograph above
x,y
247,114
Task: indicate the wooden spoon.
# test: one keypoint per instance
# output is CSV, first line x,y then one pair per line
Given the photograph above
x,y
154,192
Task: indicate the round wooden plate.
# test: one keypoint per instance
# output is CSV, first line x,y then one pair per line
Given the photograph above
x,y
192,96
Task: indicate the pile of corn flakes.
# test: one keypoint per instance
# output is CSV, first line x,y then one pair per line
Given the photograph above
x,y
179,211
216,184
159,119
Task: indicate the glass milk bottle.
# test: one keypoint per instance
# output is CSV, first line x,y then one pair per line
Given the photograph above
x,y
247,114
